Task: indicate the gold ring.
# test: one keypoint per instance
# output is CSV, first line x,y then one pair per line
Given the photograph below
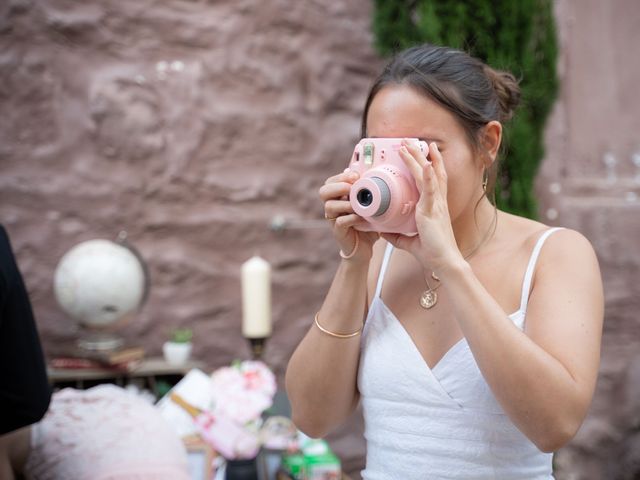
x,y
327,217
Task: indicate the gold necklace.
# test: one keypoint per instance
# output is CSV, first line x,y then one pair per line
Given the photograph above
x,y
429,297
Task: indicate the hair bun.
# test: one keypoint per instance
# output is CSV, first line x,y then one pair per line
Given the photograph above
x,y
507,89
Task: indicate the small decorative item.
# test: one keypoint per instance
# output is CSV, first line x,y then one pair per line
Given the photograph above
x,y
231,418
178,350
101,285
242,392
256,304
313,460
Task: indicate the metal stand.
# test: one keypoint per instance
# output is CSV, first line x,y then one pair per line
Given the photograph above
x,y
257,347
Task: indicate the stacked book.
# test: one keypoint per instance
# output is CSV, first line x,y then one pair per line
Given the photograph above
x,y
122,359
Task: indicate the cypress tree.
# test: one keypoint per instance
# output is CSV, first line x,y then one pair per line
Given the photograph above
x,y
518,36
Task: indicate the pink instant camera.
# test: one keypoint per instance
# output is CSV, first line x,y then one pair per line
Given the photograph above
x,y
386,194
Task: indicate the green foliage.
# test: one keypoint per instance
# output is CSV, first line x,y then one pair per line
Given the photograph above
x,y
181,335
518,36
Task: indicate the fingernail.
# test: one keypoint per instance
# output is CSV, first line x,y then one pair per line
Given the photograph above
x,y
347,170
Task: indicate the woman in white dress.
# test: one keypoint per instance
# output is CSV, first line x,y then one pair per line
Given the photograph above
x,y
480,347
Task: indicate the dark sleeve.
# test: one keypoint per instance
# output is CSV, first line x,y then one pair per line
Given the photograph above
x,y
24,388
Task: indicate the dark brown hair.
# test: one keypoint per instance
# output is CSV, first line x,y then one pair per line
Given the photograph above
x,y
474,92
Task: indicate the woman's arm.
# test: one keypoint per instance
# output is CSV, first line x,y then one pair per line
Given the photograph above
x,y
14,451
545,377
321,375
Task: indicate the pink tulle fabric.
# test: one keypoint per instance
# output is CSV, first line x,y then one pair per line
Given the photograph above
x,y
104,433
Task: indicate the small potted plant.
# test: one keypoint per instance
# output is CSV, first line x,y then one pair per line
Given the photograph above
x,y
177,350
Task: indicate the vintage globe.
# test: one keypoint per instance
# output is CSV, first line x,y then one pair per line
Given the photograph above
x,y
100,284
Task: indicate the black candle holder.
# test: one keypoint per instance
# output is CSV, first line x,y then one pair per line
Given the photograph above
x,y
257,347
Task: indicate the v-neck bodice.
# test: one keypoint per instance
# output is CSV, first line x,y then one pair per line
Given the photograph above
x,y
439,422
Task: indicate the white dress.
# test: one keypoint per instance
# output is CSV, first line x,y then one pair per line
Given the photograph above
x,y
442,422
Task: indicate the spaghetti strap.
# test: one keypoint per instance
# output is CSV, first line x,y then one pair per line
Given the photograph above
x,y
383,269
528,276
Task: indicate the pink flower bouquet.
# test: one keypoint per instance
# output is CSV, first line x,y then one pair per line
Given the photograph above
x,y
241,393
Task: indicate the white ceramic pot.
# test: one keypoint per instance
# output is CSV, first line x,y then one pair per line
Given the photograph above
x,y
176,353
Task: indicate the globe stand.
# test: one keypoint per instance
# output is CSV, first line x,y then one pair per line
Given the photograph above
x,y
99,341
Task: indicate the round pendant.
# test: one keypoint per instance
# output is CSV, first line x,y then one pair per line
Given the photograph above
x,y
428,299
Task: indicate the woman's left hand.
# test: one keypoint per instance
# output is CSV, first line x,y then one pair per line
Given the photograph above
x,y
435,245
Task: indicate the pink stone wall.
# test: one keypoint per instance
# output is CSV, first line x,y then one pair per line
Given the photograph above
x,y
597,120
193,125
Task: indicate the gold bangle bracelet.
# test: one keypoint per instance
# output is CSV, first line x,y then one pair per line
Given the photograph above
x,y
336,335
353,252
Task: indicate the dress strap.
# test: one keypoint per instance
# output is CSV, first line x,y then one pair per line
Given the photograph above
x,y
528,276
383,269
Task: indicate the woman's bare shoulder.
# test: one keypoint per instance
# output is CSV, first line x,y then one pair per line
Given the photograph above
x,y
519,233
564,246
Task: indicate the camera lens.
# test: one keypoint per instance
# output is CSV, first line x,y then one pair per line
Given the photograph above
x,y
378,195
365,197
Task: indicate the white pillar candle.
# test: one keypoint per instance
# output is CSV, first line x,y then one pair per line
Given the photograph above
x,y
256,298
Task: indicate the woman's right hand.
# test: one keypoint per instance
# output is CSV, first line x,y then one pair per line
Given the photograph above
x,y
337,209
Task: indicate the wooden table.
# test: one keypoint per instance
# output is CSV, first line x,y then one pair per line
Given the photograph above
x,y
148,372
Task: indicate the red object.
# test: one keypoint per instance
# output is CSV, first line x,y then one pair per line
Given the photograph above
x,y
86,363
